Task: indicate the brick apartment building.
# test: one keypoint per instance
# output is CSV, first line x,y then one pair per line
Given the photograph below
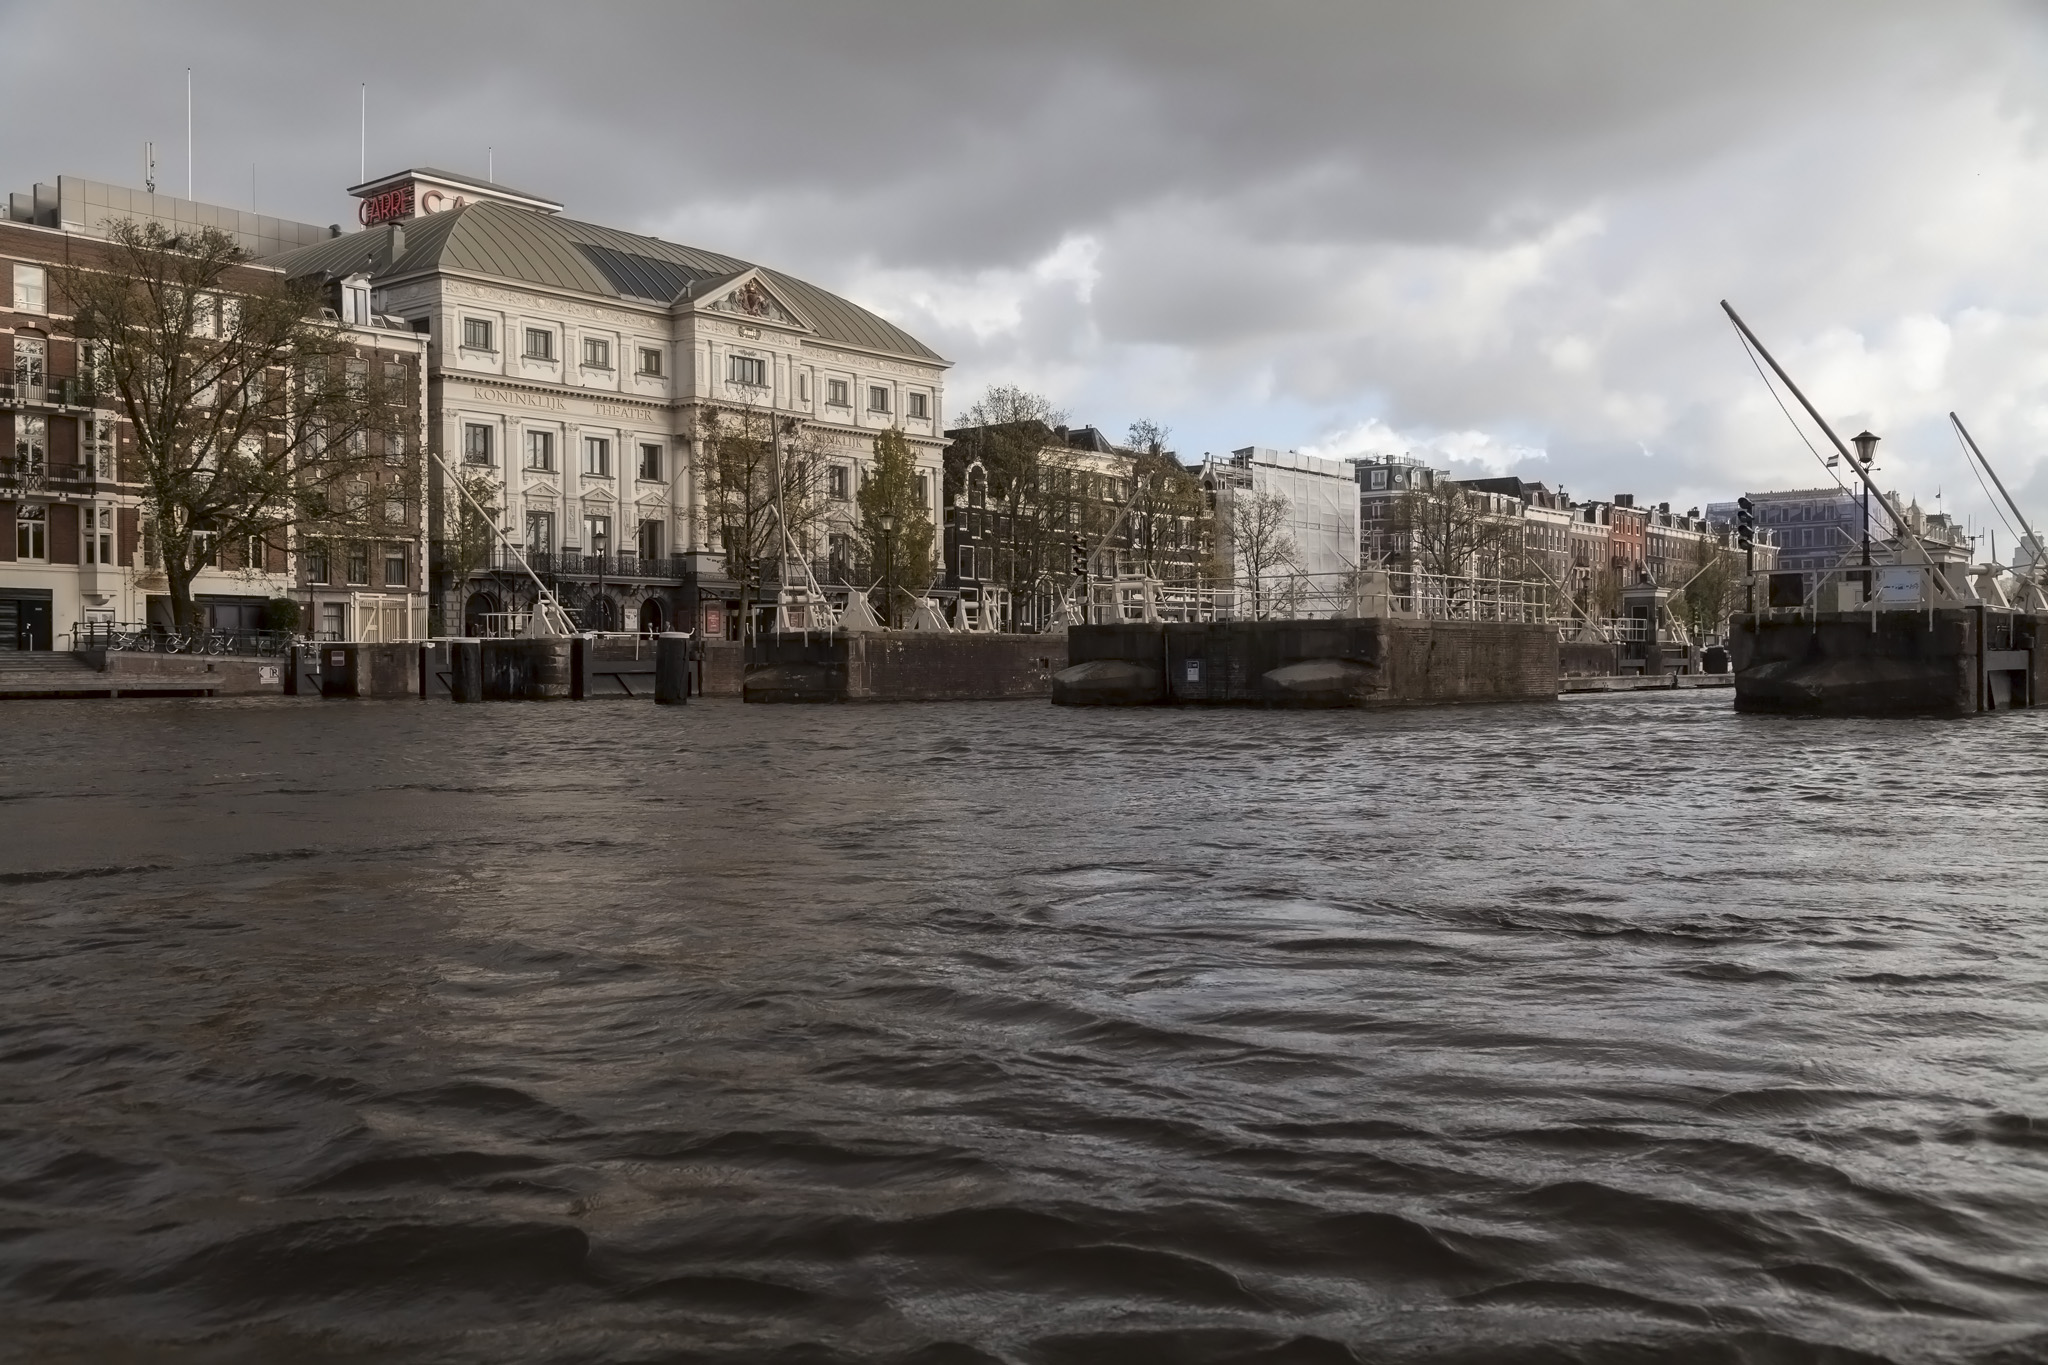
x,y
75,548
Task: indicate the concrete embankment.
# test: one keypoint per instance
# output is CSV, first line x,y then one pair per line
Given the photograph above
x,y
1944,661
1338,663
907,667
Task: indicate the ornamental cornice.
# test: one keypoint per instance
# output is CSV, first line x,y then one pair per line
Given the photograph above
x,y
532,396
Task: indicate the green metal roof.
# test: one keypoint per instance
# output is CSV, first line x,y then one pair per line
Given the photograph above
x,y
561,253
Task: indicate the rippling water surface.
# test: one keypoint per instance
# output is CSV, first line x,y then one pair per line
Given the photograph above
x,y
1611,1030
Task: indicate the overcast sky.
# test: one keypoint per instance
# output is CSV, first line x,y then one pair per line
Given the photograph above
x,y
1493,234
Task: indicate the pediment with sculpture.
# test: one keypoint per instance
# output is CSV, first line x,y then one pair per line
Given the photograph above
x,y
750,298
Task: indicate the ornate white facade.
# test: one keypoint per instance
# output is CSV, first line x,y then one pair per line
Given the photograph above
x,y
574,366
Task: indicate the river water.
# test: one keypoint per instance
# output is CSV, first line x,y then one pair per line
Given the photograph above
x,y
1622,1028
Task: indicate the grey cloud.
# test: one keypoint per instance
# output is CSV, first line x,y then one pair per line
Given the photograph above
x,y
1453,217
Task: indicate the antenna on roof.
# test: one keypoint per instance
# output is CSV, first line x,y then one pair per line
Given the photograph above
x,y
188,132
149,167
363,139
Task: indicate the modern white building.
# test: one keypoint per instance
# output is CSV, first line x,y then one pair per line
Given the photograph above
x,y
1320,520
573,367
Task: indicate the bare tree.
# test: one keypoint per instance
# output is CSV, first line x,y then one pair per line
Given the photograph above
x,y
255,419
1172,530
1455,536
757,474
1262,549
1010,430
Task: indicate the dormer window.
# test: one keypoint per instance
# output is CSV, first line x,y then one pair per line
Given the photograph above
x,y
355,302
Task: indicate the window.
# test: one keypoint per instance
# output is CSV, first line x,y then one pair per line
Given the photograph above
x,y
835,394
394,568
394,511
985,558
205,550
359,563
476,334
920,406
476,443
540,533
394,448
31,440
331,621
316,563
835,482
540,450
650,539
99,535
597,456
540,344
30,356
967,561
650,461
749,370
650,361
355,303
1379,478
878,398
924,489
597,353
839,557
597,534
30,291
31,528
803,386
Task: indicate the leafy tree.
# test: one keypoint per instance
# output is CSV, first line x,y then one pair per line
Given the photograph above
x,y
254,419
895,526
1708,593
757,473
472,528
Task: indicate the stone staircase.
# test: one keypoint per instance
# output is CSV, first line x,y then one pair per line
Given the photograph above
x,y
48,674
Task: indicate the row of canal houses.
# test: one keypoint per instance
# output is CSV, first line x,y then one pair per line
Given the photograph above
x,y
574,367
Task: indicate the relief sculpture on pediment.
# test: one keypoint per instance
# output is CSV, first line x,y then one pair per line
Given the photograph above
x,y
751,300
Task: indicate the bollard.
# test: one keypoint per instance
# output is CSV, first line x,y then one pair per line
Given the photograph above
x,y
581,648
672,669
466,670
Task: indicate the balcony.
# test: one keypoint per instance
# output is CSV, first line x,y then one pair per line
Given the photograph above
x,y
61,393
38,476
613,568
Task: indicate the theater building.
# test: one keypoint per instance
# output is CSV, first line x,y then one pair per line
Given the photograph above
x,y
571,368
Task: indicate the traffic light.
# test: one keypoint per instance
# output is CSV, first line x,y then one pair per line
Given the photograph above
x,y
1745,522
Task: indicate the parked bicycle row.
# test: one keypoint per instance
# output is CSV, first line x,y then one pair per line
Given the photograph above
x,y
148,639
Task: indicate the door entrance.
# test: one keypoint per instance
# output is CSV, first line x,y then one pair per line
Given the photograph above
x,y
25,623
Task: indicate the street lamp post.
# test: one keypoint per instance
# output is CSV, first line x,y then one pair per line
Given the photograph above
x,y
602,608
888,524
1866,451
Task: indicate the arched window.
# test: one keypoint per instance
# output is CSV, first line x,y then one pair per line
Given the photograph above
x,y
651,617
